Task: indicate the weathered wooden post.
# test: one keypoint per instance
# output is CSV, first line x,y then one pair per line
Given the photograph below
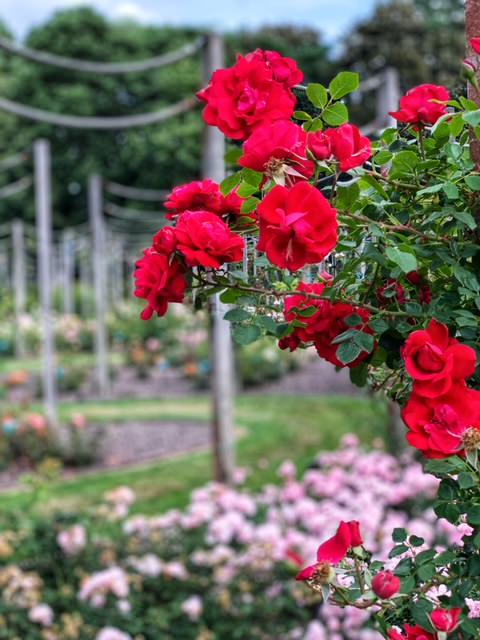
x,y
43,205
95,208
19,283
84,268
223,435
388,96
68,270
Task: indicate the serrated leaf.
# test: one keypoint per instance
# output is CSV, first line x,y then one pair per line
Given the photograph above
x,y
230,182
348,351
317,94
472,117
237,315
335,114
473,182
406,261
344,83
246,334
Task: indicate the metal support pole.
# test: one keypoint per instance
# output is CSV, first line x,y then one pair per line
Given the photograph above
x,y
68,270
19,283
472,27
43,204
95,208
223,436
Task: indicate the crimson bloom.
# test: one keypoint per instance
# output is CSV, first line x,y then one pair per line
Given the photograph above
x,y
285,70
323,326
437,426
159,280
334,550
391,291
435,360
297,226
475,44
446,619
205,240
349,147
279,150
422,105
242,97
319,145
411,633
165,241
201,195
385,584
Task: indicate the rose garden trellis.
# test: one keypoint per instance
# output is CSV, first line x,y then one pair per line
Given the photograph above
x,y
111,226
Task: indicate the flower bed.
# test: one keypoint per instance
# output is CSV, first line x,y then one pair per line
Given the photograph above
x,y
223,567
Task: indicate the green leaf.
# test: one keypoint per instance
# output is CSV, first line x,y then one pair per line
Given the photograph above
x,y
230,182
347,196
344,83
352,320
473,515
358,375
399,535
466,480
246,334
302,115
348,351
249,205
465,218
473,182
335,114
450,190
233,155
245,189
472,118
416,541
237,315
406,261
317,94
364,340
254,178
405,161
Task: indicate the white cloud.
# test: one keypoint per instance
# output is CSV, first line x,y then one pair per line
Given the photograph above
x,y
133,11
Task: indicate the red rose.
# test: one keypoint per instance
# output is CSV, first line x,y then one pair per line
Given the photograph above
x,y
297,226
242,97
475,44
349,147
285,70
205,240
165,241
323,326
422,105
446,619
412,633
278,150
385,585
391,291
435,361
437,425
332,325
201,195
335,549
159,281
319,144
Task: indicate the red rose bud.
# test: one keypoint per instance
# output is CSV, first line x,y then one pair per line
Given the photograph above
x,y
446,620
385,585
475,44
349,147
422,105
319,145
469,71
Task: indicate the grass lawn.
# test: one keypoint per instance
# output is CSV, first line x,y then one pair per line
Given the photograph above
x,y
34,365
273,428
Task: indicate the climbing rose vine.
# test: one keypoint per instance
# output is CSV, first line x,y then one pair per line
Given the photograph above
x,y
367,250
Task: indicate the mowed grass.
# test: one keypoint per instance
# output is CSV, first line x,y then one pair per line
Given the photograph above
x,y
270,428
34,365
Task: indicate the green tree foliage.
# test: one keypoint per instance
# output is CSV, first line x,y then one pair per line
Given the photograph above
x,y
423,39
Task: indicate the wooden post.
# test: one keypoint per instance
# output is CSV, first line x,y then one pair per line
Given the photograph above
x,y
19,283
472,27
84,266
43,205
388,97
223,435
68,270
95,208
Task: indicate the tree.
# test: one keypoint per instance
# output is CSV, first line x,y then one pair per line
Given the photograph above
x,y
423,39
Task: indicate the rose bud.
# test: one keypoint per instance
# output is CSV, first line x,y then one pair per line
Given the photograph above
x,y
385,585
446,620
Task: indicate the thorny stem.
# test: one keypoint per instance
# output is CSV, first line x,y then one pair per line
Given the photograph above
x,y
399,228
305,294
394,183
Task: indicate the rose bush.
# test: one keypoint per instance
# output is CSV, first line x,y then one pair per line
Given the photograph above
x,y
394,223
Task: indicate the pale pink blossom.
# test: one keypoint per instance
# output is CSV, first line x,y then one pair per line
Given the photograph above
x,y
193,607
72,540
41,614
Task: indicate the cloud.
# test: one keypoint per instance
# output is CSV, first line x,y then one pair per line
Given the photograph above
x,y
133,11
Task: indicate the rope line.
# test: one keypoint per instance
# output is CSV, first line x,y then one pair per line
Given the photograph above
x,y
111,122
133,193
104,68
128,214
15,187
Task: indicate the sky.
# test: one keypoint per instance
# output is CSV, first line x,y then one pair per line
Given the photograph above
x,y
332,17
